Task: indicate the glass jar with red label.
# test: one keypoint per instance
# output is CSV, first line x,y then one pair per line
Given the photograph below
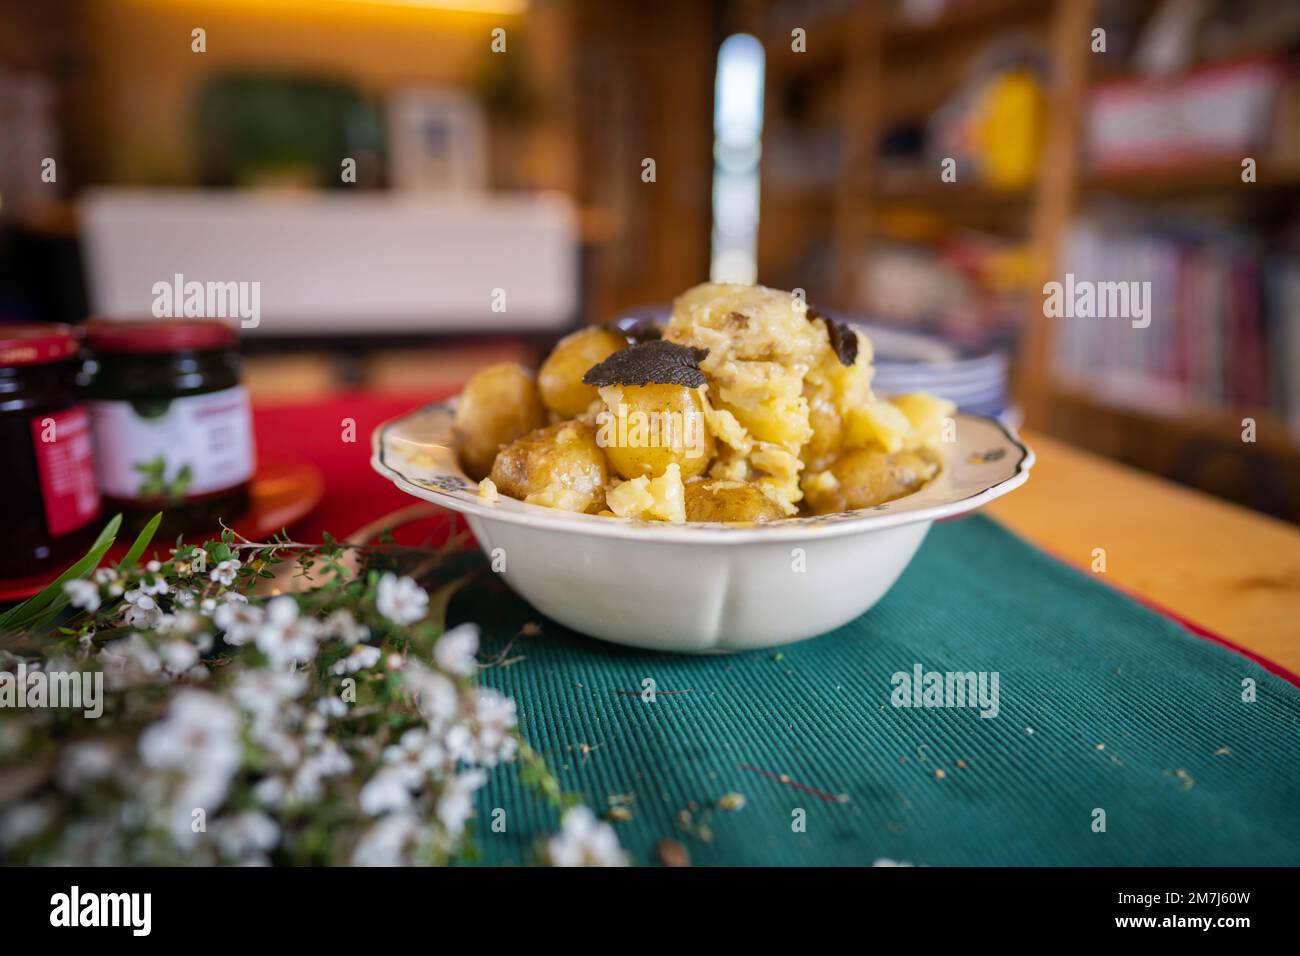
x,y
173,428
49,500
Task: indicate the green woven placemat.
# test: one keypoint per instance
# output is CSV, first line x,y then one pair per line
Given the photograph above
x,y
1103,706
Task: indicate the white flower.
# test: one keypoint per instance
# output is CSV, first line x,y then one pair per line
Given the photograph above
x,y
141,611
153,567
362,657
344,627
82,594
314,726
225,571
284,637
487,738
384,843
178,656
246,837
107,578
420,754
389,790
886,861
199,738
585,841
181,623
86,762
435,695
128,661
261,694
456,802
199,733
330,760
185,623
157,586
401,600
454,652
21,822
331,707
241,622
143,618
269,791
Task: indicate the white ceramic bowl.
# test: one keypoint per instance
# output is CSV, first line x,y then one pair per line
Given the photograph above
x,y
700,587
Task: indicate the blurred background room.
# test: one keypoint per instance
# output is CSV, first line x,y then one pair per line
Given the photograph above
x,y
385,168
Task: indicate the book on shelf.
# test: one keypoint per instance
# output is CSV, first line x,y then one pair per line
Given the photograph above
x,y
1221,329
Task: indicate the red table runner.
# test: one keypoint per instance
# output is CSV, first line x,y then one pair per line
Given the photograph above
x,y
334,433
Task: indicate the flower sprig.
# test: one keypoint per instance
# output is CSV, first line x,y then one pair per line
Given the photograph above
x,y
262,702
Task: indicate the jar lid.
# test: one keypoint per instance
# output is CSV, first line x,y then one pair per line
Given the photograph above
x,y
158,335
32,343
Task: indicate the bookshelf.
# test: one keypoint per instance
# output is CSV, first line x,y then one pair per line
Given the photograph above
x,y
864,70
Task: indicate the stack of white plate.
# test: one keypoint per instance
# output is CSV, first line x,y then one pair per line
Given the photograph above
x,y
910,362
975,380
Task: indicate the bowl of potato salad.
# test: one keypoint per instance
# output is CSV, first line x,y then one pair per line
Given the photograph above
x,y
725,480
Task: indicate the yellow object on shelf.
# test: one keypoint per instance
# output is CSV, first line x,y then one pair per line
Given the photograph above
x,y
1008,128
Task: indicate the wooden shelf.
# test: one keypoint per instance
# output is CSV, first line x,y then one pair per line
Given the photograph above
x,y
959,23
827,37
1200,448
882,71
928,191
1272,433
1201,179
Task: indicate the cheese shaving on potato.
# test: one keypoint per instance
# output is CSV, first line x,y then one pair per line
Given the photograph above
x,y
783,411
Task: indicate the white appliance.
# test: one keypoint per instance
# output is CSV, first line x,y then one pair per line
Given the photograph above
x,y
337,264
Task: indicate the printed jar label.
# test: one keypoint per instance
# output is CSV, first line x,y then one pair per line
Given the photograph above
x,y
174,449
65,461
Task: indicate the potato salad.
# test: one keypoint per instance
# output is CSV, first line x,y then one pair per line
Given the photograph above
x,y
747,406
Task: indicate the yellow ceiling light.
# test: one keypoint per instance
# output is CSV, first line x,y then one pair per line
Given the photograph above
x,y
486,7
506,7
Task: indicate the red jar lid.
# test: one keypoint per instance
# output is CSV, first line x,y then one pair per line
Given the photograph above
x,y
158,335
32,343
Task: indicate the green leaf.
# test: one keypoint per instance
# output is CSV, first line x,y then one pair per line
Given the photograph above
x,y
52,599
142,541
440,598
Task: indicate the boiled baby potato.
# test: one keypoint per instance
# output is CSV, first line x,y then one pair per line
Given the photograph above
x,y
866,477
928,415
559,466
560,377
723,500
878,423
499,404
646,428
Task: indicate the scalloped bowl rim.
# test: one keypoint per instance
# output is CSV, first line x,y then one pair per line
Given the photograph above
x,y
935,501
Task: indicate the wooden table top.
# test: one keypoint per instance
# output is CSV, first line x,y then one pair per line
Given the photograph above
x,y
1232,571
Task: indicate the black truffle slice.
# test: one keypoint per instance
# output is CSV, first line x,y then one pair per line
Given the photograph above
x,y
843,339
658,362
